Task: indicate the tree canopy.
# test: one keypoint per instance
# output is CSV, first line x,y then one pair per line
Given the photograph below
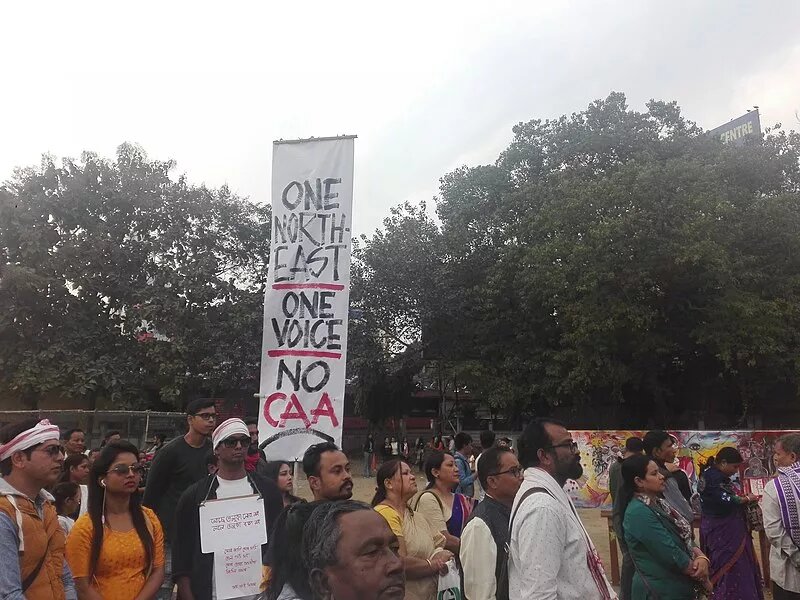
x,y
118,282
617,265
610,258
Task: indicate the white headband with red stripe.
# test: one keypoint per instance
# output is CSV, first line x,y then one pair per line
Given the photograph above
x,y
42,432
228,429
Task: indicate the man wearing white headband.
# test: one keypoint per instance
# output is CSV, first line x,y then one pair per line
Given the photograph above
x,y
31,540
191,569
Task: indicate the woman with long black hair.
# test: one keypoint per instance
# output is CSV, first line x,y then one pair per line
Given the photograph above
x,y
76,470
289,576
724,530
116,550
446,510
280,472
668,564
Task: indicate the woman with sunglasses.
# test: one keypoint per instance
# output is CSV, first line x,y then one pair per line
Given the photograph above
x,y
447,511
421,546
280,472
116,550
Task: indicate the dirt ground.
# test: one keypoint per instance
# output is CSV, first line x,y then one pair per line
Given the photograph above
x,y
596,525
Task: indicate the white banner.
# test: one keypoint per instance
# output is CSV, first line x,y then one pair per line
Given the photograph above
x,y
231,522
307,299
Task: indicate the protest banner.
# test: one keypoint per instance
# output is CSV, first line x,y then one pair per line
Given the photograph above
x,y
231,523
306,302
237,572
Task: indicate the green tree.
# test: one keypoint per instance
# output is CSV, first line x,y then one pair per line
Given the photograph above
x,y
616,259
121,283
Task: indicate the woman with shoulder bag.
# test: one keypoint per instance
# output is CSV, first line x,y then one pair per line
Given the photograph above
x,y
668,564
444,509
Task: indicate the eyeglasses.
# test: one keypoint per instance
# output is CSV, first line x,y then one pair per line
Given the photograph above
x,y
123,470
52,451
514,471
206,416
232,441
571,445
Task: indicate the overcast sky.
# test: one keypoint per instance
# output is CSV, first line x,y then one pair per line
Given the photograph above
x,y
426,86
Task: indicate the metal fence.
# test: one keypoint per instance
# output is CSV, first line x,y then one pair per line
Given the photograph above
x,y
138,427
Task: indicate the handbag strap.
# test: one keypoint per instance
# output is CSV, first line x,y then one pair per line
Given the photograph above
x,y
650,592
438,500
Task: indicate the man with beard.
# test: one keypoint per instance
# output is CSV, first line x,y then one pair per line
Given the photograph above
x,y
328,472
550,552
191,568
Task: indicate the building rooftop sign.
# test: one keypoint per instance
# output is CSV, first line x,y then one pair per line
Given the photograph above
x,y
737,130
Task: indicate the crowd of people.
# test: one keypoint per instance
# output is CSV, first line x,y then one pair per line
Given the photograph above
x,y
492,522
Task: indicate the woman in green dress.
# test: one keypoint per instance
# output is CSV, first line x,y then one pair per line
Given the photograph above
x,y
669,566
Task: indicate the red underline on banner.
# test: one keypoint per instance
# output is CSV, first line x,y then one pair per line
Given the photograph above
x,y
308,286
313,353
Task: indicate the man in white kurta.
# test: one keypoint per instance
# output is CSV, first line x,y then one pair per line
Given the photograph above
x,y
551,556
484,539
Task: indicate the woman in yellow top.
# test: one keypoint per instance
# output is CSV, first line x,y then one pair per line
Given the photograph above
x,y
116,550
421,546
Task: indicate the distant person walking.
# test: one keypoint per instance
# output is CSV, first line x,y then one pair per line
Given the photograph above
x,y
369,450
724,531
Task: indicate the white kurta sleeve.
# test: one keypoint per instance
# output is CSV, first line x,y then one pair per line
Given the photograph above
x,y
478,555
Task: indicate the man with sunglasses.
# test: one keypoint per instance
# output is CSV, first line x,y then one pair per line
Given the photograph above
x,y
175,467
550,552
192,570
484,539
31,539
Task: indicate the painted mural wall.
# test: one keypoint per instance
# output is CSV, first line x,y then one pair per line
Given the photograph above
x,y
599,449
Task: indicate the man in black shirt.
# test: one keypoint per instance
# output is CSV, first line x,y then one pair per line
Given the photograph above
x,y
175,467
